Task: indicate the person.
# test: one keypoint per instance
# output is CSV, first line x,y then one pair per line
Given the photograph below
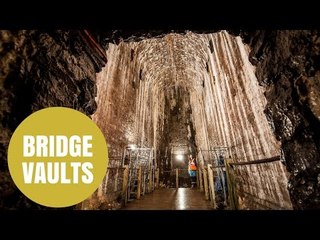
x,y
192,168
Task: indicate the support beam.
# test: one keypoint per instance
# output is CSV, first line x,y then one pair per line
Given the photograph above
x,y
157,178
116,180
105,182
211,186
205,180
125,184
200,177
144,182
233,198
177,178
139,183
150,180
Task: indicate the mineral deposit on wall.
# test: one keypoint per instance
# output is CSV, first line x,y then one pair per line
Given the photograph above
x,y
198,90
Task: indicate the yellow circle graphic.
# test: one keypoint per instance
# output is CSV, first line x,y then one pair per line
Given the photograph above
x,y
57,157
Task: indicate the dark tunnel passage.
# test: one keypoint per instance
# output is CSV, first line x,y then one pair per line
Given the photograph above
x,y
249,98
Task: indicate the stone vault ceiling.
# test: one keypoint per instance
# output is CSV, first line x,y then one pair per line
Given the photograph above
x,y
174,60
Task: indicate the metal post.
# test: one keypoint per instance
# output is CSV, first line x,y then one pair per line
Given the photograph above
x,y
205,179
139,183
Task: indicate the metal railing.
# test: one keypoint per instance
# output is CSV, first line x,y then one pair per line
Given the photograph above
x,y
264,160
213,171
231,176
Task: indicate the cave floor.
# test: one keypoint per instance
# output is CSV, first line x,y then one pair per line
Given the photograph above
x,y
171,199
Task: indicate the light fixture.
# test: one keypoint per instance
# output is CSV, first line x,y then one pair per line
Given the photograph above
x,y
132,146
180,157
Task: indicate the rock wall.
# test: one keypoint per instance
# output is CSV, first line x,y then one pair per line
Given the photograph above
x,y
287,65
41,69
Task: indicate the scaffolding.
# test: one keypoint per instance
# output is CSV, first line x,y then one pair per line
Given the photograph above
x,y
141,172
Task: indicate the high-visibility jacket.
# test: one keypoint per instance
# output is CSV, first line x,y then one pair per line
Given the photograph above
x,y
192,166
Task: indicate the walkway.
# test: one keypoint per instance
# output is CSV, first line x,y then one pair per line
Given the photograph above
x,y
171,199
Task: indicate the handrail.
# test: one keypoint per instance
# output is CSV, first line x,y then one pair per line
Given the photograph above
x,y
228,166
231,181
264,160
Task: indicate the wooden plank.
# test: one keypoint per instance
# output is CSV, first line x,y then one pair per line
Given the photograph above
x,y
144,182
125,184
200,178
100,190
150,180
197,178
233,198
205,180
116,180
211,186
103,185
157,178
209,183
147,178
177,178
151,160
139,183
153,178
